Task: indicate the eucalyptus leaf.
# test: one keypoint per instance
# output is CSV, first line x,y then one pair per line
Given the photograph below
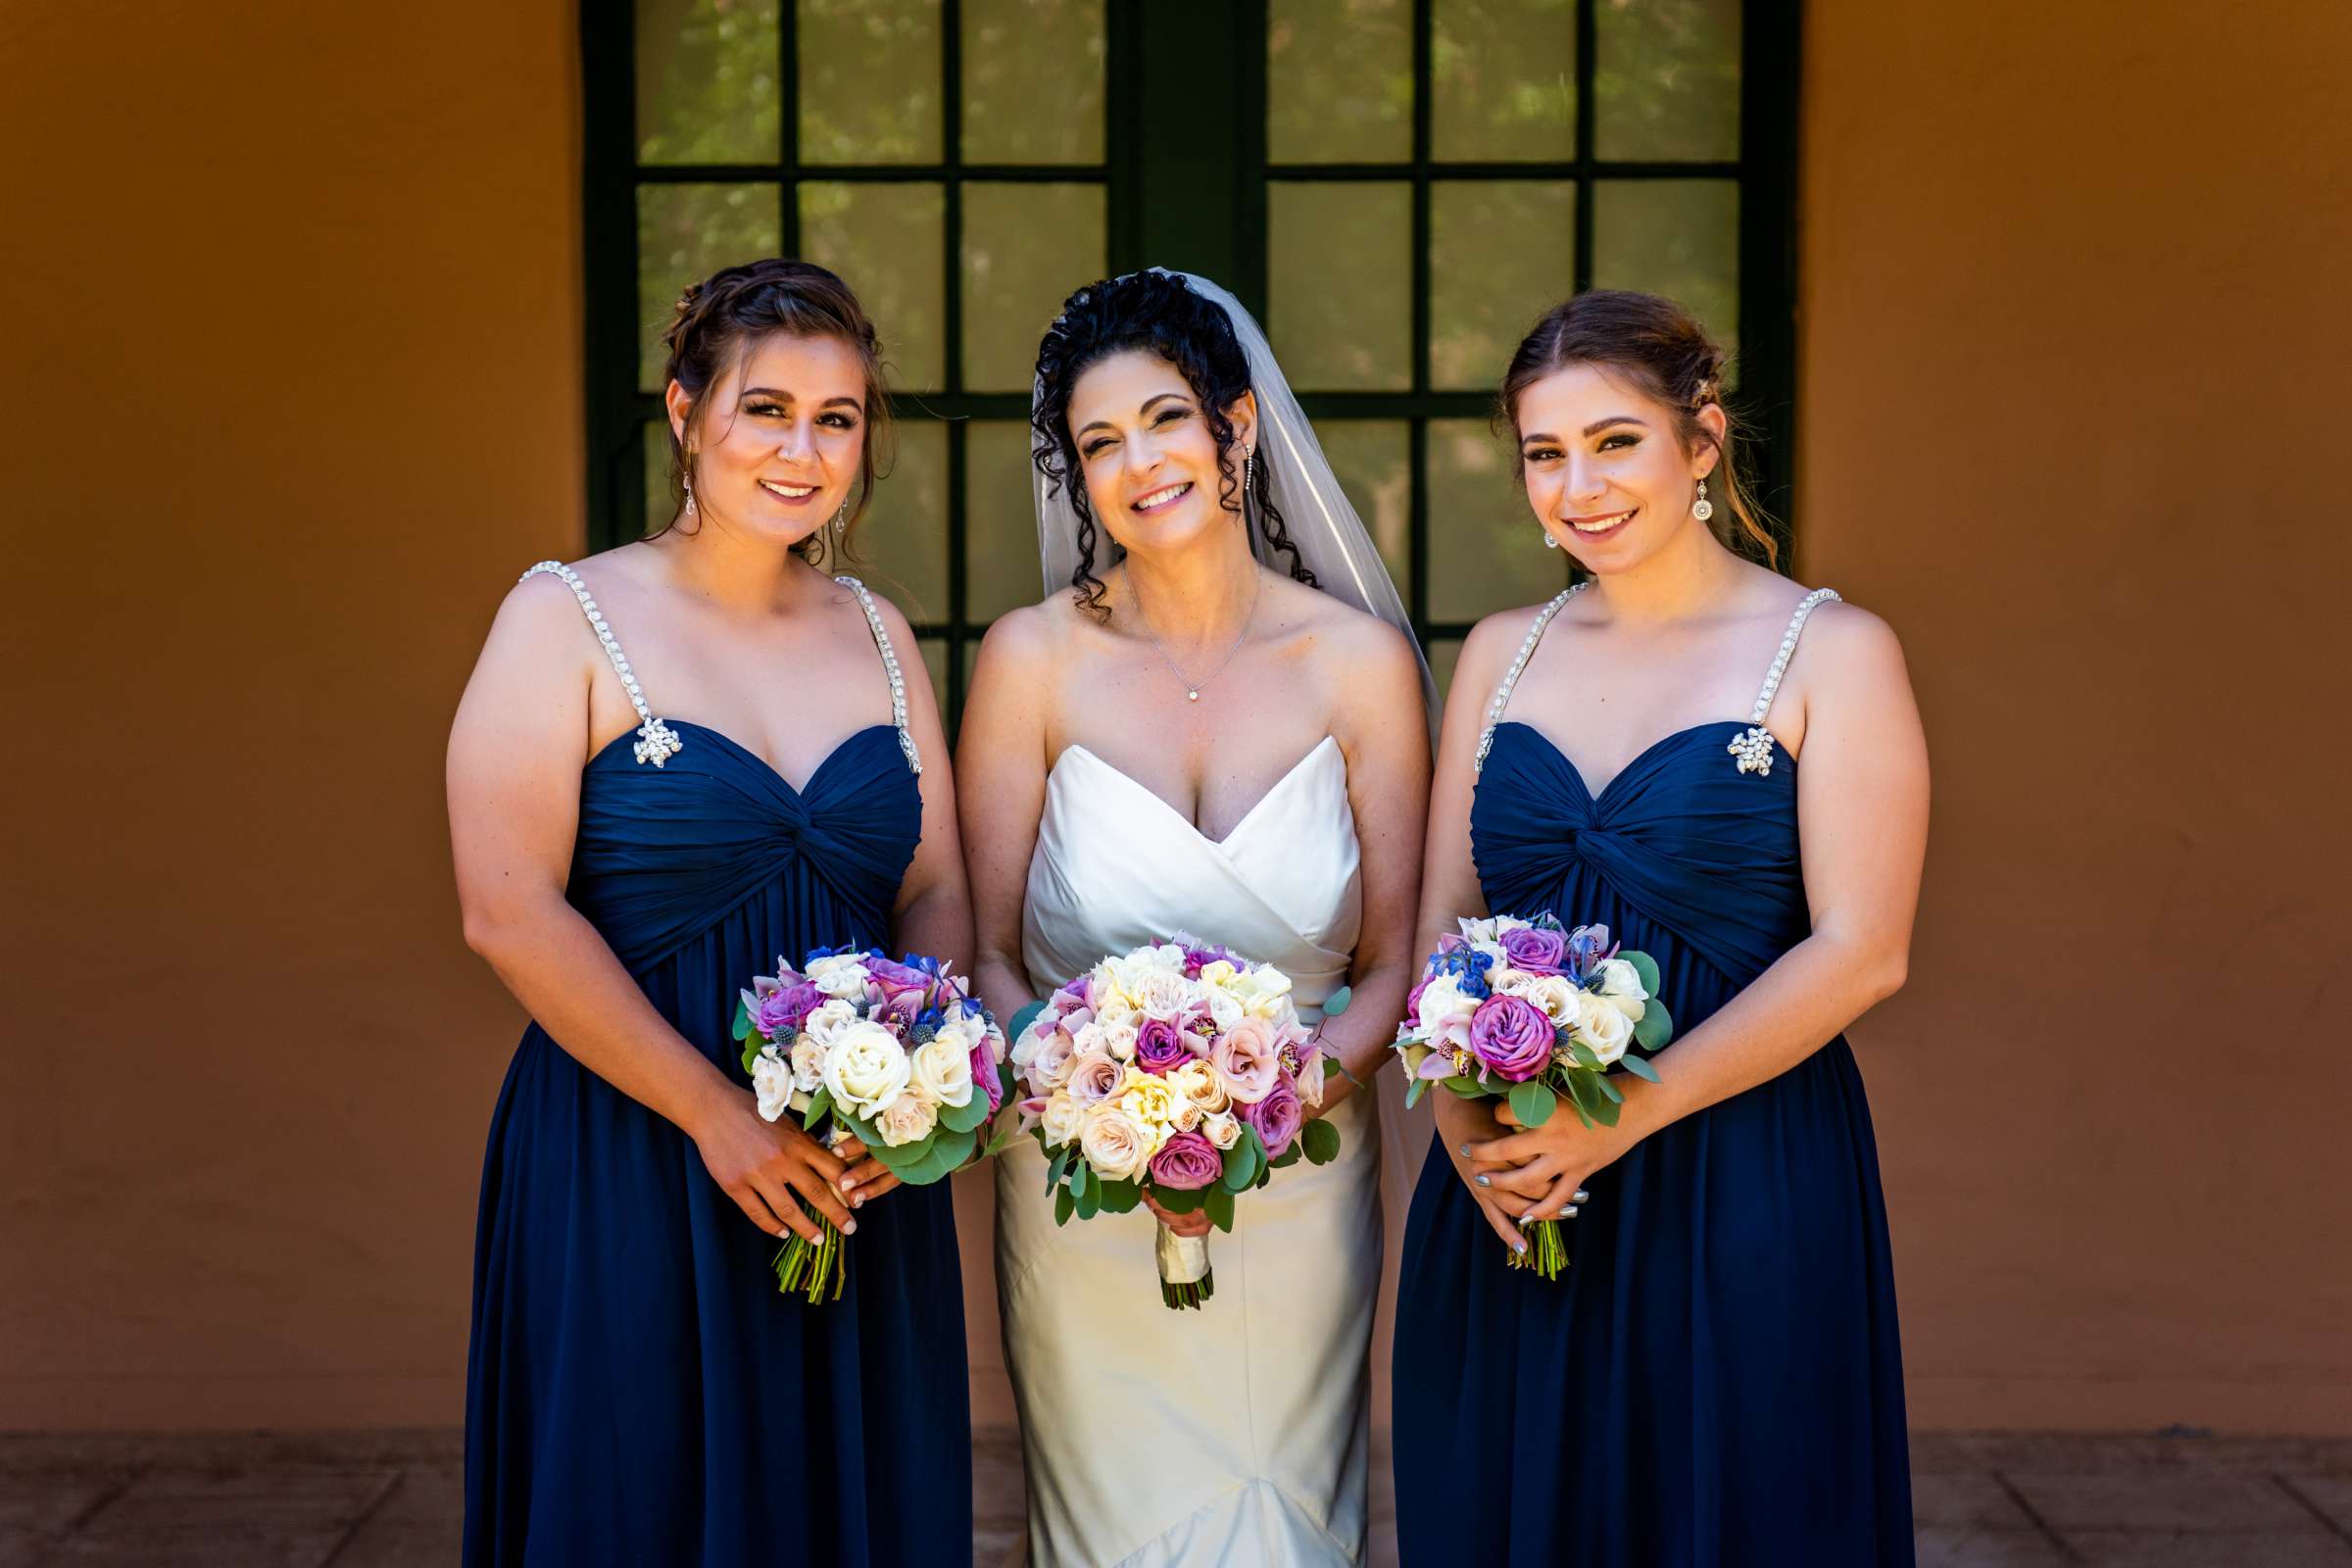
x,y
967,1116
751,1054
1336,1003
1639,1066
1533,1103
743,1020
1119,1198
1646,966
1219,1204
820,1106
1467,1088
1063,1206
1609,1091
1243,1160
1060,1166
1022,1019
1180,1199
1583,1056
1321,1141
1414,1089
1655,1028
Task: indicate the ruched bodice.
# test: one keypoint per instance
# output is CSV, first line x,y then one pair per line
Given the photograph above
x,y
638,1388
1237,1432
1725,1332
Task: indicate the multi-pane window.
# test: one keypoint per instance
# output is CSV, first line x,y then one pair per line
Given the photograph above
x,y
1399,187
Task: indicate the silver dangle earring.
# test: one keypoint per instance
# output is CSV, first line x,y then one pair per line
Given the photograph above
x,y
1702,509
686,478
1249,476
841,523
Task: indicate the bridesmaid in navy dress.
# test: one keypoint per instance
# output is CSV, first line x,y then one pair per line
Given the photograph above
x,y
637,834
1715,1380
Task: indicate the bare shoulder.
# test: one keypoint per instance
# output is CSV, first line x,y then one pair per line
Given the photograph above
x,y
1028,641
1846,641
1488,648
542,618
893,619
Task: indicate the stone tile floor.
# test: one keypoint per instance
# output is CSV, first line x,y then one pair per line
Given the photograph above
x,y
391,1500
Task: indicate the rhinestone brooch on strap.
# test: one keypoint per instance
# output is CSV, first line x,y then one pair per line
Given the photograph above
x,y
890,664
1502,691
1753,746
656,742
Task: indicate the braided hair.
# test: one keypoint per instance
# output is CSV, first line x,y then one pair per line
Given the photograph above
x,y
718,320
1158,312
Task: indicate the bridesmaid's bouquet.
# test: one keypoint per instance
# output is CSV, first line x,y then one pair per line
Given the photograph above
x,y
897,1054
1177,1068
1531,1012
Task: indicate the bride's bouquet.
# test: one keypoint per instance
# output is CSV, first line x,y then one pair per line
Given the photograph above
x,y
897,1054
1177,1068
1531,1012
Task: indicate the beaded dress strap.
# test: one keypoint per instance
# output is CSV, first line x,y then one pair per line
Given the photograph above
x,y
890,664
1510,677
656,742
1752,750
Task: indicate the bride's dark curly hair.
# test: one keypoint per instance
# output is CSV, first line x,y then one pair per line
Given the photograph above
x,y
1159,314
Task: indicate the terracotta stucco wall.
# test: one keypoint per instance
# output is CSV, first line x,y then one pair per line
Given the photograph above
x,y
294,306
2073,332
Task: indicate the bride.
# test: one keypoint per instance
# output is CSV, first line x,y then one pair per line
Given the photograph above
x,y
1214,724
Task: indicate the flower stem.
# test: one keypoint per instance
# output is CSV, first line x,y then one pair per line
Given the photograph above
x,y
1546,1253
805,1269
1192,1294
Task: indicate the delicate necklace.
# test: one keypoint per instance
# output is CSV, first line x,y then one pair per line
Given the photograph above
x,y
1191,688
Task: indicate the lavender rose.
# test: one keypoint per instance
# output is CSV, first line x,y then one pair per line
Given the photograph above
x,y
899,981
1187,1162
1159,1045
1512,1037
1536,950
781,1013
1277,1117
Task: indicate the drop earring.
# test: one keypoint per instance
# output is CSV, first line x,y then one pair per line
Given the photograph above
x,y
1702,509
686,478
1549,543
841,523
1248,477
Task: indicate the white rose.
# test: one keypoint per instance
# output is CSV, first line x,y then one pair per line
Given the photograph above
x,y
1604,1029
1113,1144
827,1021
1063,1118
942,1071
1556,995
1444,1004
1118,1013
1120,1043
905,1120
964,1031
1221,1128
1505,981
1621,983
1475,931
1224,1008
1219,973
771,1081
1164,996
841,975
865,1068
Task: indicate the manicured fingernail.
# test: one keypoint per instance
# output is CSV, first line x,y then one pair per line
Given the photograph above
x,y
1583,1196
1525,1220
859,1202
1483,1182
1569,1212
848,1181
849,1228
1522,1249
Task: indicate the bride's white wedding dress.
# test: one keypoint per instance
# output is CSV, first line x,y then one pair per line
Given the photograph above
x,y
1239,1433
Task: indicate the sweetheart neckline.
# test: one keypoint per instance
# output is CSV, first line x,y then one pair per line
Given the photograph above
x,y
1785,756
1190,826
798,791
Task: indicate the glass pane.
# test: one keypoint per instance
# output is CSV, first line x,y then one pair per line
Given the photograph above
x,y
885,241
1032,81
1443,654
706,82
1500,254
1502,80
1000,553
1025,247
869,80
1373,460
1666,78
903,544
1486,551
1676,237
1349,327
662,494
1339,81
935,660
684,234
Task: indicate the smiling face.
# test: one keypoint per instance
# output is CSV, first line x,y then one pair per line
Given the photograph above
x,y
778,440
1148,455
1605,466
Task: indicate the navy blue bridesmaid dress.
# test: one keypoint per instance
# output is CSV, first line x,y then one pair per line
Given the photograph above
x,y
1715,1380
638,1390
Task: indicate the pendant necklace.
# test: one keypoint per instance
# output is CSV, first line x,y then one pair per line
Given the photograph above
x,y
1191,688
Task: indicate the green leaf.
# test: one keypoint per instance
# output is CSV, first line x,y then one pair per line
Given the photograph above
x,y
1655,1028
1583,1097
1533,1103
1022,1019
1063,1206
967,1116
1243,1159
1609,1091
743,1020
1219,1204
1467,1088
1583,1056
1090,1201
1081,1180
1414,1089
1179,1199
1336,1003
1639,1066
751,1054
1644,966
820,1106
1118,1197
1060,1166
1001,1139
1321,1141
1282,1161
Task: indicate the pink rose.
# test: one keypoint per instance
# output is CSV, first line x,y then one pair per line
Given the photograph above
x,y
1277,1117
1248,1059
1187,1162
1159,1045
1512,1037
1536,951
1094,1078
781,1012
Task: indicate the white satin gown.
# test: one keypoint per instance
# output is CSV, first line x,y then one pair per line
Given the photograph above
x,y
1239,1433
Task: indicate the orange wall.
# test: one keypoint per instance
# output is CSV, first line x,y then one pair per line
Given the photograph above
x,y
2073,332
294,291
